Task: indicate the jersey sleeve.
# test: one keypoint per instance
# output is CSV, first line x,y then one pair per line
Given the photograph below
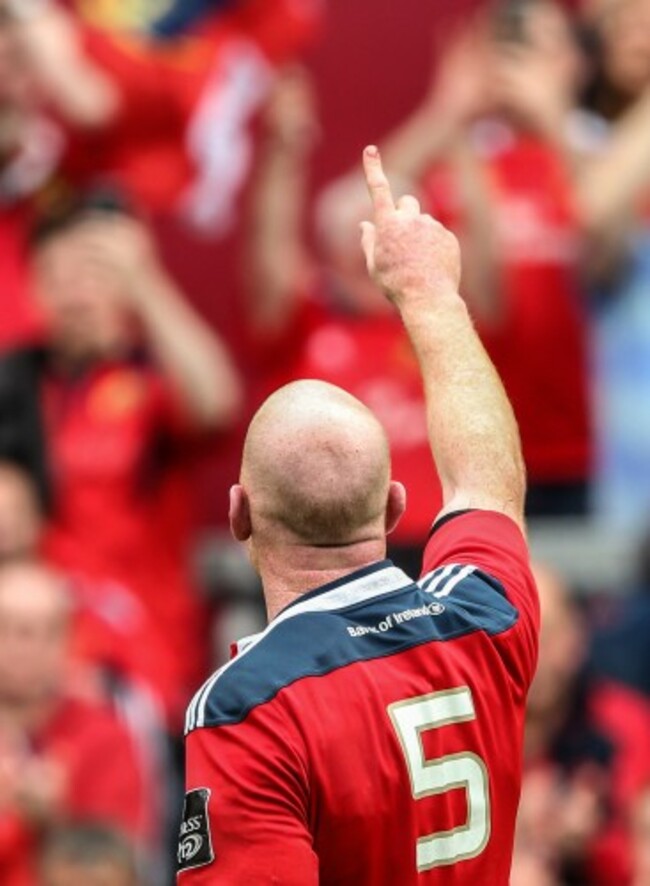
x,y
493,544
245,817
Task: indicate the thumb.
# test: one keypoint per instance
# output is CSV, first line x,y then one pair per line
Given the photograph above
x,y
368,243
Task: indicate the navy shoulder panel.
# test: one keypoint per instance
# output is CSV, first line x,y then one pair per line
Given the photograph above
x,y
450,603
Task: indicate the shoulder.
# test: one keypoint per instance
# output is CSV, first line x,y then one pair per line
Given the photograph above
x,y
378,614
495,545
488,540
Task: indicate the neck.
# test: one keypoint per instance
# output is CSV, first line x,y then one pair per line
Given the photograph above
x,y
289,570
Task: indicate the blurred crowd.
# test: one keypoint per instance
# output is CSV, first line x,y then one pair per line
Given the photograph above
x,y
532,142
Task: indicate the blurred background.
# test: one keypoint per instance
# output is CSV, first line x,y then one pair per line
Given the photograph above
x,y
179,205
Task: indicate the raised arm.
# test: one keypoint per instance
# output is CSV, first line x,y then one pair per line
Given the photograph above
x,y
80,91
458,94
611,185
472,429
276,260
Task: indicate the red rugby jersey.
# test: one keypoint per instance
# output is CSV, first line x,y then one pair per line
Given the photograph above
x,y
372,734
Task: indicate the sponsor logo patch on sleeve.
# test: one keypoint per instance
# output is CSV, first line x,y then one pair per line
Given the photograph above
x,y
194,841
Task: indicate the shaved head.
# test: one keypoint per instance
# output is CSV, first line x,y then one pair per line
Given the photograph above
x,y
35,611
316,465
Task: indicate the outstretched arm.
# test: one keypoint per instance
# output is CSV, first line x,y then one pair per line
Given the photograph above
x,y
473,433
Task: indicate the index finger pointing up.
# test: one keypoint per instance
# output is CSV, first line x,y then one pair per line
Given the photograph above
x,y
378,186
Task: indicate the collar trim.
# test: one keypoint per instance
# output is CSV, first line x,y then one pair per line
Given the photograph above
x,y
371,581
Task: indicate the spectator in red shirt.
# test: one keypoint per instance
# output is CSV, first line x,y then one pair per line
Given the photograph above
x,y
131,382
63,757
587,767
113,641
494,143
323,319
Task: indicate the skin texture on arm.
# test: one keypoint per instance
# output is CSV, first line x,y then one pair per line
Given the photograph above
x,y
472,429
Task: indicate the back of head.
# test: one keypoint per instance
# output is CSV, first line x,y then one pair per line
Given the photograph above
x,y
316,467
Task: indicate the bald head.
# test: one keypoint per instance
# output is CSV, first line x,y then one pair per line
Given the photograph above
x,y
316,465
34,623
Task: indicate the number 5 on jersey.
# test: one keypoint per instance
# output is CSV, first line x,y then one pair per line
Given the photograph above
x,y
429,777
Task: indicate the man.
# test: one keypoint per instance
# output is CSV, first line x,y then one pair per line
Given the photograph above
x,y
130,388
63,757
372,734
114,645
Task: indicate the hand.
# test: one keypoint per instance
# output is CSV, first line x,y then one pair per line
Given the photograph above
x,y
122,251
536,80
412,257
525,87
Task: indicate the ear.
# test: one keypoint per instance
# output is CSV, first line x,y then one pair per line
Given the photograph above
x,y
395,506
239,515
